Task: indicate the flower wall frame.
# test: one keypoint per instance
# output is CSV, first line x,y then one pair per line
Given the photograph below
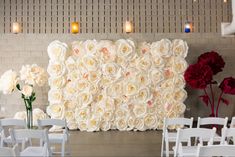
x,y
103,85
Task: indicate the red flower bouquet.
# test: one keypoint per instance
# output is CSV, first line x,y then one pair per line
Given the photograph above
x,y
200,76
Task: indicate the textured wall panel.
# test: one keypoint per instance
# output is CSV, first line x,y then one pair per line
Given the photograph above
x,y
109,16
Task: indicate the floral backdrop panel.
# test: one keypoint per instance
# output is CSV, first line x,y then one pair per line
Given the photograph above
x,y
103,85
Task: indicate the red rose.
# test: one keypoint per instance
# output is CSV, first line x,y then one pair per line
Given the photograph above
x,y
198,76
228,85
212,59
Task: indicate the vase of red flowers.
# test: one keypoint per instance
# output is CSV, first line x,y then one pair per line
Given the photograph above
x,y
200,76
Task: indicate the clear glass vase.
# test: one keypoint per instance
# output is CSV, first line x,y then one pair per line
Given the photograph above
x,y
29,118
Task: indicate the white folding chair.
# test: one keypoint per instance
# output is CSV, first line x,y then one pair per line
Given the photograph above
x,y
228,134
168,137
6,151
56,138
6,123
216,150
213,121
43,151
232,124
203,134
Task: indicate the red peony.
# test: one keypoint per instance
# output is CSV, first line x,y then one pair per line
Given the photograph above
x,y
228,85
198,76
212,59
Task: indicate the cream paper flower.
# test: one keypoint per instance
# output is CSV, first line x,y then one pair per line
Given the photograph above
x,y
105,125
158,61
106,51
131,123
140,110
179,94
90,62
57,82
143,95
115,89
55,96
8,82
180,65
166,84
150,121
71,64
121,113
179,48
144,63
82,85
72,125
162,48
20,115
143,48
82,114
93,124
139,124
78,49
156,76
84,98
70,90
74,75
108,115
82,125
38,114
69,115
125,48
142,79
70,105
122,61
121,124
168,73
27,90
90,46
111,70
57,51
56,111
131,88
179,81
94,76
56,69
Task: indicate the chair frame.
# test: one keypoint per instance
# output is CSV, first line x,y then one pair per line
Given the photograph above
x,y
6,151
216,150
165,139
227,133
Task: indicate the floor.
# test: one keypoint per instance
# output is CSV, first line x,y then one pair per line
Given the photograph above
x,y
115,144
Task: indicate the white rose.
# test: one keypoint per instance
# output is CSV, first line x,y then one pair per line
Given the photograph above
x,y
69,115
41,80
143,95
144,63
150,121
162,48
57,82
112,70
93,124
125,48
180,65
90,62
8,82
85,98
82,114
90,46
20,115
82,125
156,76
131,123
166,83
55,96
139,124
71,64
26,75
179,48
106,51
179,81
122,61
121,124
56,111
38,114
115,89
94,76
179,94
158,61
70,105
108,115
143,48
131,88
142,79
105,125
78,49
140,110
72,125
56,69
70,90
57,51
27,90
74,75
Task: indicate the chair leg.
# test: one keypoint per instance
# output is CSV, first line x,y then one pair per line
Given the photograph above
x,y
167,148
62,149
162,148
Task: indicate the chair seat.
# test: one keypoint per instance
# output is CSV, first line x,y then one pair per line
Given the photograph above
x,y
33,151
56,138
172,137
217,138
9,140
187,151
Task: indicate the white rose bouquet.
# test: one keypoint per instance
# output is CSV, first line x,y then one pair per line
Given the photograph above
x,y
30,75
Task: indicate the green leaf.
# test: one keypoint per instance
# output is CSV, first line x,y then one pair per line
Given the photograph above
x,y
34,98
18,86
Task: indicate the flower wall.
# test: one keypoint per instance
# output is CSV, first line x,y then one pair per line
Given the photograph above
x,y
103,85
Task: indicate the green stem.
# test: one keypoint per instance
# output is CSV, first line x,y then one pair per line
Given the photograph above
x,y
212,109
217,108
213,99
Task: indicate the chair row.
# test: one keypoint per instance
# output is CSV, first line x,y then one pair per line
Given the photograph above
x,y
53,138
169,137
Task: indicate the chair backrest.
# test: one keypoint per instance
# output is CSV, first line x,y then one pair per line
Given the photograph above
x,y
216,150
12,122
212,121
51,122
6,151
177,121
42,135
232,124
227,133
203,134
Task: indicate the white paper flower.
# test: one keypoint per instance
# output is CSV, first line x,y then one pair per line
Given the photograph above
x,y
125,48
85,98
131,88
115,89
70,105
179,81
90,62
78,49
121,124
82,125
20,115
179,48
56,111
57,82
70,90
72,125
27,90
156,76
144,63
139,124
108,115
179,95
106,51
71,64
55,96
150,121
158,61
162,48
69,115
82,114
168,73
142,79
57,51
93,124
112,70
38,114
131,123
94,76
143,95
105,125
56,69
140,110
8,82
143,48
180,65
90,46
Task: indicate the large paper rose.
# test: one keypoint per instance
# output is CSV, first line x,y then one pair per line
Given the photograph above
x,y
70,105
56,69
70,90
198,76
144,63
57,51
38,114
150,121
8,82
158,61
162,48
143,48
90,62
228,85
90,46
72,125
105,125
180,65
142,79
78,49
125,48
115,89
93,124
85,98
112,70
27,90
143,95
213,60
156,76
57,82
106,51
56,111
20,115
140,110
179,48
71,64
55,96
121,124
82,125
82,114
131,88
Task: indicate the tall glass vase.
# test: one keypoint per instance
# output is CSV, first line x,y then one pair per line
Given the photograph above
x,y
29,112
